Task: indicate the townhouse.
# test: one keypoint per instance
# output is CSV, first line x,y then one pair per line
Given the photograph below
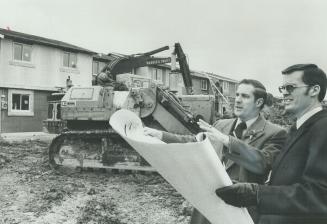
x,y
31,67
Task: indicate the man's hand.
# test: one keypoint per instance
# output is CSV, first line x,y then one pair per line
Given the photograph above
x,y
213,132
152,132
239,195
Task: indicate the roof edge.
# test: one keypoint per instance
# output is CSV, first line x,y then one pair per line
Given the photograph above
x,y
42,40
15,86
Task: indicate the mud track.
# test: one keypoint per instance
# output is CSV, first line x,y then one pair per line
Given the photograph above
x,y
30,192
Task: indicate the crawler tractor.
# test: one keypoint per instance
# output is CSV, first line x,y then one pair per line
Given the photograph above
x,y
89,141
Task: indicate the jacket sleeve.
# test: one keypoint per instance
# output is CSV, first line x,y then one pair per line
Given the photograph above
x,y
176,138
254,159
309,194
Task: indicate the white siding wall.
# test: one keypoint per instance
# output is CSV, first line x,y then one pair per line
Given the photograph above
x,y
45,71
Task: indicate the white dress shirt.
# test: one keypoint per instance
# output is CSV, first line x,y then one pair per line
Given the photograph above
x,y
248,123
306,116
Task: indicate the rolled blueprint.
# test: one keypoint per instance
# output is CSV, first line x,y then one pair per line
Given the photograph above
x,y
193,169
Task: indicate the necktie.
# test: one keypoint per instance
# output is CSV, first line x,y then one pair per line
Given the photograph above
x,y
291,132
239,129
292,129
238,132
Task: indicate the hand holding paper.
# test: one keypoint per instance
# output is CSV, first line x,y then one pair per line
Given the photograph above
x,y
153,133
193,169
213,132
239,194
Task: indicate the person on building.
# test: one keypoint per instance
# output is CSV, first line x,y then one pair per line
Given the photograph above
x,y
297,190
249,136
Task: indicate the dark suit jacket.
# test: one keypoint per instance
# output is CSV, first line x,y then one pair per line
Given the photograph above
x,y
262,136
298,187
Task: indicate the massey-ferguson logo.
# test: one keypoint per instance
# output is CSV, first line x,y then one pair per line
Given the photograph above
x,y
156,61
68,103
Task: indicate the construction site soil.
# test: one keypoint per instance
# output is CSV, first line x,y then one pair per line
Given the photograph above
x,y
31,192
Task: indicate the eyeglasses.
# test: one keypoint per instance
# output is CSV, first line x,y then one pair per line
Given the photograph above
x,y
289,88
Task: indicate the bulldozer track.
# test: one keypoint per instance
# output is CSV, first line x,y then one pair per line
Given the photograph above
x,y
117,170
85,164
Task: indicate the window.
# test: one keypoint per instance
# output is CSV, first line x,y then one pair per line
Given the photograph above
x,y
219,87
157,75
95,67
70,60
20,103
58,114
204,84
232,88
225,86
54,111
22,52
50,111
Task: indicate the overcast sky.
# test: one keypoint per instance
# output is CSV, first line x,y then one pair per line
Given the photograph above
x,y
239,39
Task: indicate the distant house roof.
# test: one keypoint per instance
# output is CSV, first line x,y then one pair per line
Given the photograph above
x,y
104,57
201,74
109,57
223,78
194,73
212,75
41,40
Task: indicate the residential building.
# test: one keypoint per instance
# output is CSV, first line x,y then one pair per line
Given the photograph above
x,y
31,67
222,87
204,83
161,74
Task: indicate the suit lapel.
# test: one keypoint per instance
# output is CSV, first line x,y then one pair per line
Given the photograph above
x,y
288,145
302,130
255,131
227,129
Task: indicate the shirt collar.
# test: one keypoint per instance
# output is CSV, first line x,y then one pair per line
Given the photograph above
x,y
248,122
306,116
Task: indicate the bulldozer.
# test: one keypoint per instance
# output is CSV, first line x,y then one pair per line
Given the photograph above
x,y
88,141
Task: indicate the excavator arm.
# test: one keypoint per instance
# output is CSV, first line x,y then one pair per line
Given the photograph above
x,y
126,64
184,68
168,106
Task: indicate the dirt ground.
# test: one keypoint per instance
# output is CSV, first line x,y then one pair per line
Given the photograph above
x,y
31,192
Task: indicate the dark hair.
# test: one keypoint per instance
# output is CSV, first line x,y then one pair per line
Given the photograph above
x,y
259,89
312,75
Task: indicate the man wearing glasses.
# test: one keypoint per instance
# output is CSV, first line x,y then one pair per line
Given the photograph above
x,y
249,136
297,191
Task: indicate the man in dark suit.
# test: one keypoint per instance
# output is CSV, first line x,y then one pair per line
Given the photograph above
x,y
248,136
297,191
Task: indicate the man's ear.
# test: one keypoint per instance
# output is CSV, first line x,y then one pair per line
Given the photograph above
x,y
259,102
314,90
